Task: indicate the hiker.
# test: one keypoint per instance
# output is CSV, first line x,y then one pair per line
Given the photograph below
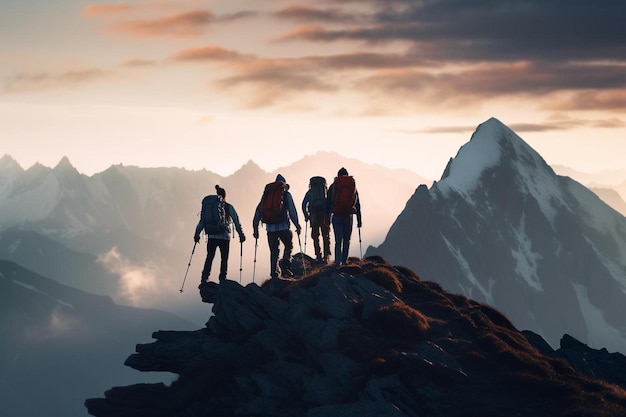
x,y
342,203
314,209
276,209
216,218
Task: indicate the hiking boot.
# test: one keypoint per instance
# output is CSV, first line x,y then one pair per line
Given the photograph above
x,y
285,269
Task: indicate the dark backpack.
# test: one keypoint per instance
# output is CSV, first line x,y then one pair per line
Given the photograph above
x,y
213,215
344,195
272,202
317,194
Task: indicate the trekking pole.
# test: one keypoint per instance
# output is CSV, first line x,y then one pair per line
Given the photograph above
x,y
254,267
306,228
188,265
360,246
302,255
240,260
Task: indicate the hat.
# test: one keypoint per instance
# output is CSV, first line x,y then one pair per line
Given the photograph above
x,y
342,172
280,178
220,191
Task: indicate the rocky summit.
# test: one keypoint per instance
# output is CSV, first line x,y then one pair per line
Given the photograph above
x,y
363,339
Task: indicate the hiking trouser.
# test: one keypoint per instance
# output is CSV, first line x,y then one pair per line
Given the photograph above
x,y
211,248
273,239
342,228
320,226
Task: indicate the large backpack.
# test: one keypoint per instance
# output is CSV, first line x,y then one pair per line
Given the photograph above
x,y
272,202
213,215
344,195
317,194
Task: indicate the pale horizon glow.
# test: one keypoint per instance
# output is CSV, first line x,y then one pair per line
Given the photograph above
x,y
213,84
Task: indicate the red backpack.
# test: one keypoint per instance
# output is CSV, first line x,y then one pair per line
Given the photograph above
x,y
344,195
272,202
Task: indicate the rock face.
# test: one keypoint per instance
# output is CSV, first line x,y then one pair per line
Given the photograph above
x,y
367,339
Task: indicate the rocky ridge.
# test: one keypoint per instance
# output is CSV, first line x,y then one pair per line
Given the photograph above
x,y
368,339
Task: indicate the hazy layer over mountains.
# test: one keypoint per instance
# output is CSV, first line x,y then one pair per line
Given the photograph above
x,y
132,227
610,186
139,222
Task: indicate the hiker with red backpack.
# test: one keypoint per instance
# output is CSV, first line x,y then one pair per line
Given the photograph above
x,y
314,209
342,203
215,219
277,210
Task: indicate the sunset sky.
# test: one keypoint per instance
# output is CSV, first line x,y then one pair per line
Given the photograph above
x,y
402,83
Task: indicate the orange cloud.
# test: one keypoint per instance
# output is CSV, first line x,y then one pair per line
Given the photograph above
x,y
25,82
138,62
306,32
105,9
207,53
190,23
271,81
604,100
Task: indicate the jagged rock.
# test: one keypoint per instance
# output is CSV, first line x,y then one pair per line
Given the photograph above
x,y
595,363
208,291
367,339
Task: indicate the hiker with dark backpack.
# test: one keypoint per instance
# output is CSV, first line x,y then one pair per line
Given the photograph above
x,y
342,203
314,209
215,220
277,210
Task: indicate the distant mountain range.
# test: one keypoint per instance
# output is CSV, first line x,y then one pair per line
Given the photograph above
x,y
501,227
147,217
612,178
59,345
611,197
610,186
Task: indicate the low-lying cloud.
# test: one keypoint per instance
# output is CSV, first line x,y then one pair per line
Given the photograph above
x,y
137,282
61,323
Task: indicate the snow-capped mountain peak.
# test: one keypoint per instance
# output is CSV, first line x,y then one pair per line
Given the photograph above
x,y
495,150
501,226
491,145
